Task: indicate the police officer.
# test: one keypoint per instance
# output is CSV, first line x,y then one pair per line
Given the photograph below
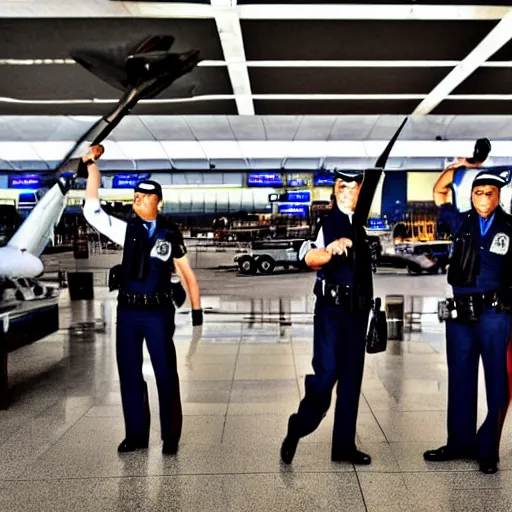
x,y
344,293
479,320
153,249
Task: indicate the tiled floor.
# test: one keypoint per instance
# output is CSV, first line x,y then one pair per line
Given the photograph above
x,y
242,374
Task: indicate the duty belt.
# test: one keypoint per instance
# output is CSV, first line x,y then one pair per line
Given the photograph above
x,y
469,307
144,300
336,293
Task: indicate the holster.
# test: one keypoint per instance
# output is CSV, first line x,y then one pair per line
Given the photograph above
x,y
178,294
114,277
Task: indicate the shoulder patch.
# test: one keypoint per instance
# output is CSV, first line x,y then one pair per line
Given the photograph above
x,y
500,244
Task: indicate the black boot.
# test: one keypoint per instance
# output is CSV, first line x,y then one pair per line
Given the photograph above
x,y
289,446
130,445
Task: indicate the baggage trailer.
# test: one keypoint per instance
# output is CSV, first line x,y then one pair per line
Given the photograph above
x,y
264,256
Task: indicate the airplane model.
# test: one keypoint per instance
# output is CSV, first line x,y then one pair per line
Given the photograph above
x,y
140,71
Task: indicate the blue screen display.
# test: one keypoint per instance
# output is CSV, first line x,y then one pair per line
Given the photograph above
x,y
25,181
27,197
304,196
377,224
299,210
299,182
323,179
264,179
127,180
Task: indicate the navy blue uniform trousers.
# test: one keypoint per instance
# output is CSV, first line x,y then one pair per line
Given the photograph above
x,y
339,346
157,328
465,343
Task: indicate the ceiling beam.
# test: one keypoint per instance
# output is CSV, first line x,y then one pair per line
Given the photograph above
x,y
314,11
230,35
354,11
496,39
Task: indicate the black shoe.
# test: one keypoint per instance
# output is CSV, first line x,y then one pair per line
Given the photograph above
x,y
289,446
170,448
354,456
488,466
130,446
446,453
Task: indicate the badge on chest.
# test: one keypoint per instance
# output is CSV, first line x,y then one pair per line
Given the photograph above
x,y
500,244
161,250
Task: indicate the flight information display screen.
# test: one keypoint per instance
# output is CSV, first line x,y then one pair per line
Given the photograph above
x,y
24,181
324,179
303,196
264,179
127,180
299,210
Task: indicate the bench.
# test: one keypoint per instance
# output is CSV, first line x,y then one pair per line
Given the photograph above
x,y
18,329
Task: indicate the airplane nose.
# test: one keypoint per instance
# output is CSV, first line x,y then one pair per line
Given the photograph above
x,y
15,263
38,267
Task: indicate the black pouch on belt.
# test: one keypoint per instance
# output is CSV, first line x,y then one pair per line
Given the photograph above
x,y
114,277
465,261
178,294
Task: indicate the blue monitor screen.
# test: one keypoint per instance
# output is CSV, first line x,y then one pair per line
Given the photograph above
x,y
304,196
299,182
299,210
26,181
27,197
377,224
264,179
126,180
324,179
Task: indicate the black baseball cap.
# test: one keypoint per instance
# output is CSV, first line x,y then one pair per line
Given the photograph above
x,y
348,176
149,187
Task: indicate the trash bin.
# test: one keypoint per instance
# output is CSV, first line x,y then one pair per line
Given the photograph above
x,y
395,315
81,285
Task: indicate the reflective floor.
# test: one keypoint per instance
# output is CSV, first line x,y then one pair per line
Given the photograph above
x,y
242,374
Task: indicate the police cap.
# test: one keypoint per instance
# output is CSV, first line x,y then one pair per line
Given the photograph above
x,y
344,175
497,177
149,187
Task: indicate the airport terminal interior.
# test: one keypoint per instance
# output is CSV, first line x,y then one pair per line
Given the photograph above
x,y
245,112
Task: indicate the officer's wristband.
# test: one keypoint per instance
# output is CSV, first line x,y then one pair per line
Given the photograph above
x,y
197,317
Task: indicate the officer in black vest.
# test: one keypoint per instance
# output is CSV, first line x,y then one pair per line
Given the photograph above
x,y
153,250
478,317
344,292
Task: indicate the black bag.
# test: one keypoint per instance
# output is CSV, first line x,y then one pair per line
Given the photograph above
x,y
377,337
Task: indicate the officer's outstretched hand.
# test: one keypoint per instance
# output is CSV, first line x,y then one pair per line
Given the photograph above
x,y
93,153
197,317
339,246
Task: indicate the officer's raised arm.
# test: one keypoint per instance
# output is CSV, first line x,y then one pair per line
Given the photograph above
x,y
111,227
443,185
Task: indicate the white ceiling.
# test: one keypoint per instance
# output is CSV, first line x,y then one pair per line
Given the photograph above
x,y
227,15
260,128
273,137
